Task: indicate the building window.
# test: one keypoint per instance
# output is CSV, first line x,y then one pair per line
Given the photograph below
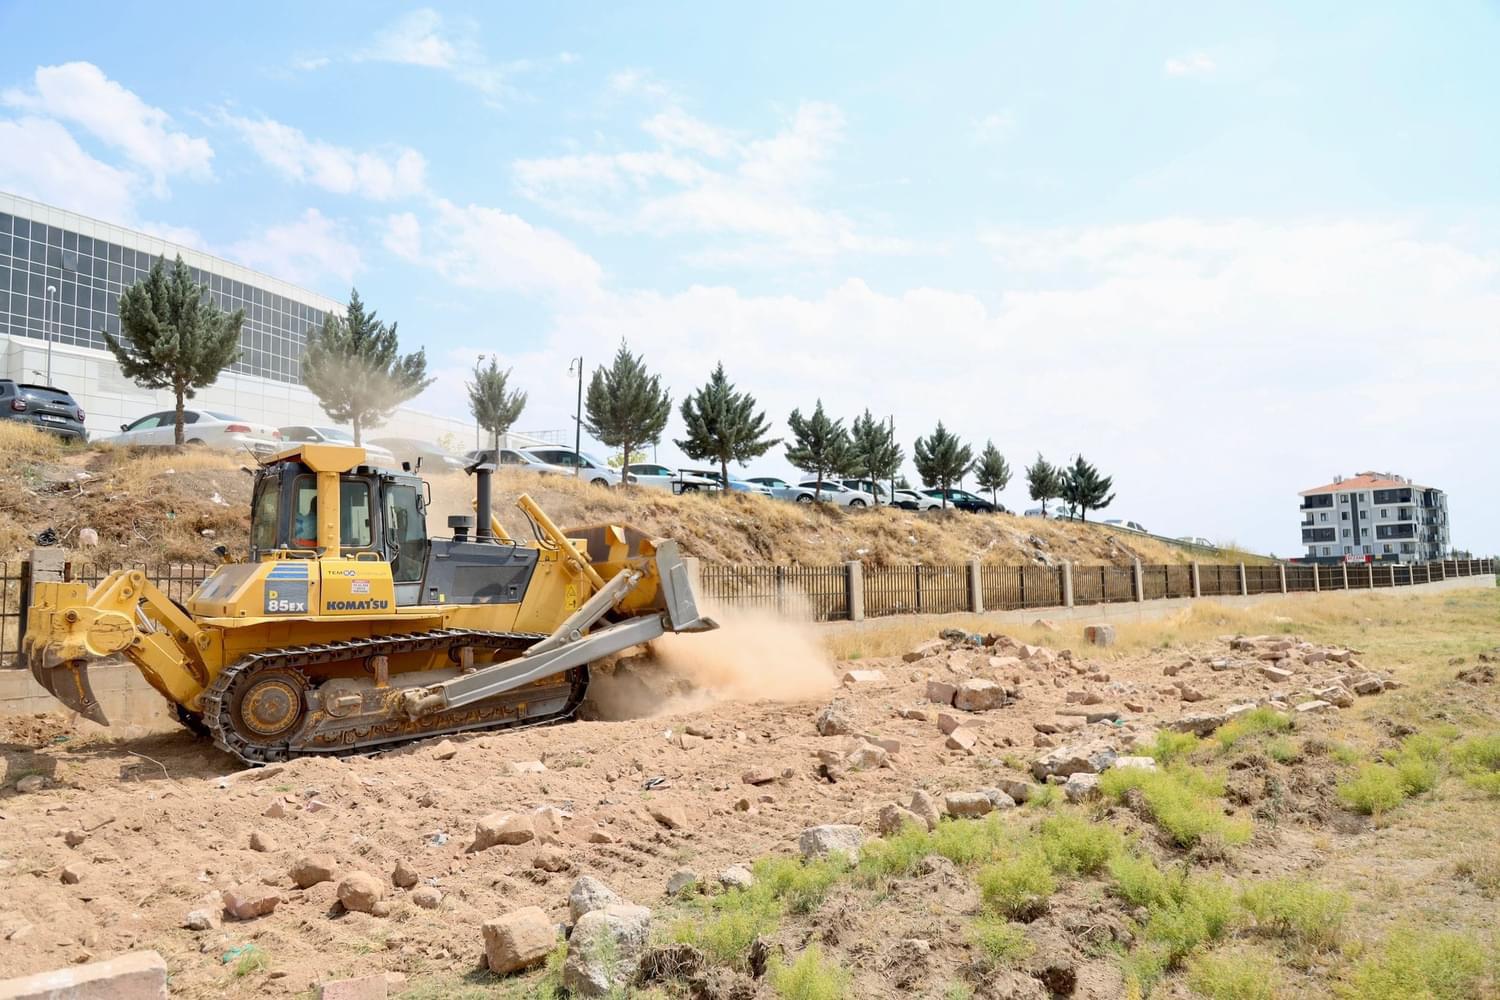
x,y
1348,550
1346,532
1367,550
1364,514
1343,515
1325,550
1323,518
1364,532
1385,512
1387,548
1343,498
1364,498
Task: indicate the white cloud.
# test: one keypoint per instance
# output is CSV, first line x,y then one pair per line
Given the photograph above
x,y
639,83
39,159
414,39
311,249
184,235
425,37
479,247
993,127
80,93
1194,64
398,173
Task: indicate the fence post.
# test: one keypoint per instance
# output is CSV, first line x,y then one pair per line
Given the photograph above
x,y
1197,581
1393,574
976,588
1138,581
917,569
1317,572
854,589
1244,584
1345,568
1067,582
49,565
1370,569
1282,568
780,589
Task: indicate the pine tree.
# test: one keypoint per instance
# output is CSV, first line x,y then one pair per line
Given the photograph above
x,y
173,336
942,460
1043,479
354,367
626,407
494,405
874,453
992,471
820,445
1084,489
722,425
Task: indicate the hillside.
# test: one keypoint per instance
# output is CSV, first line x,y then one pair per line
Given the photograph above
x,y
166,505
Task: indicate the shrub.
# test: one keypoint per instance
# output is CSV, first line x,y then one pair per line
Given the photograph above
x,y
895,856
1256,722
1434,965
1171,746
1043,797
800,886
726,925
1304,914
1018,886
810,977
1200,912
1003,944
1139,882
1489,784
1416,774
1075,846
1282,750
1477,754
1181,800
1375,789
967,842
1234,975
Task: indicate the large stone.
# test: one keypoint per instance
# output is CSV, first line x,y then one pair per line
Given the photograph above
x,y
1136,763
201,919
1099,635
427,897
551,858
246,902
363,988
312,869
1278,674
360,891
835,719
1081,787
736,877
948,722
1199,724
979,695
403,876
139,975
856,678
759,776
941,692
866,756
1065,761
1016,789
589,894
929,648
605,950
1316,706
961,739
669,814
968,805
998,798
821,841
1368,684
926,807
519,940
262,841
893,817
30,784
681,881
502,828
1335,694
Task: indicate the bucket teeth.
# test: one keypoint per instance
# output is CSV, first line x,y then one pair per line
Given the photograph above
x,y
69,684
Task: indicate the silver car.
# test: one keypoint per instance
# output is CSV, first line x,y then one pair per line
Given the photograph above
x,y
834,492
660,477
205,428
569,462
912,500
306,434
783,490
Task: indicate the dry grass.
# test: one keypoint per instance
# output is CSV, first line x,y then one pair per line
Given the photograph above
x,y
24,442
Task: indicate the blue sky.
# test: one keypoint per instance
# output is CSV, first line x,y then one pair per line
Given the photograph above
x,y
1225,252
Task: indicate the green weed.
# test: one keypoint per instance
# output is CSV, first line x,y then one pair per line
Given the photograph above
x,y
801,886
810,977
965,842
1302,913
1003,944
1477,754
1233,975
1043,797
1181,800
1199,912
1075,846
1375,789
252,960
1282,750
894,856
725,926
1019,886
1433,965
1172,746
1256,722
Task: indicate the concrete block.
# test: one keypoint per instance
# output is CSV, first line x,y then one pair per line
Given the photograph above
x,y
139,975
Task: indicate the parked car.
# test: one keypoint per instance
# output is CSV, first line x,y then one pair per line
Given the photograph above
x,y
913,500
200,427
566,460
662,478
305,434
1116,522
783,490
410,451
1034,512
508,458
45,407
735,485
835,492
964,500
1198,540
880,491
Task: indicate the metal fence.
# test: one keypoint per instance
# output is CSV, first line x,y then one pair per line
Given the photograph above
x,y
819,592
918,589
1008,588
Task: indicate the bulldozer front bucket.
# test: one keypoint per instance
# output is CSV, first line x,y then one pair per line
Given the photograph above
x,y
69,683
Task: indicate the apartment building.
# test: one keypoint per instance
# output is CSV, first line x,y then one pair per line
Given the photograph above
x,y
1374,517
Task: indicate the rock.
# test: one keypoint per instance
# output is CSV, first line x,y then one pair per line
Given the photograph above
x,y
312,869
1335,694
759,776
682,880
605,950
589,894
1137,763
1311,707
820,841
275,810
502,828
1278,674
246,902
961,739
201,920
31,783
1069,760
669,815
948,722
364,988
404,876
1081,787
1221,665
738,877
1200,724
1368,684
914,714
360,891
968,805
1099,635
551,859
926,808
854,678
445,750
835,719
74,837
527,766
893,817
1028,652
427,897
1045,623
73,873
139,975
1316,656
688,741
262,841
979,695
889,746
928,648
548,820
866,756
1020,791
941,692
1189,693
998,798
599,835
519,940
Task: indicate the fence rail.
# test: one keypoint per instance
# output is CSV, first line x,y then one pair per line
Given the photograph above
x,y
845,590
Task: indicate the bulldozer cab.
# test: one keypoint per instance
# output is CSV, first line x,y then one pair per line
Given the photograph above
x,y
309,505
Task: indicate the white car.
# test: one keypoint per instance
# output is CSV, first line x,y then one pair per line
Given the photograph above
x,y
508,458
735,485
1126,525
201,428
304,434
660,477
837,493
566,460
783,490
912,500
1198,540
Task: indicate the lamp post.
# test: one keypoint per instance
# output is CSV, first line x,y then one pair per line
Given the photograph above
x,y
47,327
892,419
577,417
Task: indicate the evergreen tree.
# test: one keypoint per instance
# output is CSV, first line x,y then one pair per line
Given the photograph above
x,y
942,460
820,445
173,336
992,471
626,407
495,406
1084,489
1043,479
874,453
722,425
354,367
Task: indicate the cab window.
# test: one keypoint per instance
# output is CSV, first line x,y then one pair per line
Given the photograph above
x,y
405,524
354,513
263,516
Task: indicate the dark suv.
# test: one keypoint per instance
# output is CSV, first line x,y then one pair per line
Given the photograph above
x,y
43,407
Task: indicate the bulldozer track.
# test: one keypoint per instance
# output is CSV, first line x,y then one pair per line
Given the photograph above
x,y
289,663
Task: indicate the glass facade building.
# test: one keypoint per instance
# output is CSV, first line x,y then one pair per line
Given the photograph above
x,y
91,263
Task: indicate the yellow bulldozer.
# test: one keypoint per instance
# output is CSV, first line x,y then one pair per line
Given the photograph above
x,y
350,627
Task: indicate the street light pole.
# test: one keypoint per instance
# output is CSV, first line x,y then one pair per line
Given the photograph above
x,y
578,419
47,326
892,419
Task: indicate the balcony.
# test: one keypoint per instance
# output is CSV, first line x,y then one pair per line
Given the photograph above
x,y
1322,501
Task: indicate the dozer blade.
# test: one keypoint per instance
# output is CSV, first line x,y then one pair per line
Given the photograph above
x,y
69,683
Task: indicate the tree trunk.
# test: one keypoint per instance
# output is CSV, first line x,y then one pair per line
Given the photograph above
x,y
177,434
357,441
624,466
724,471
495,445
